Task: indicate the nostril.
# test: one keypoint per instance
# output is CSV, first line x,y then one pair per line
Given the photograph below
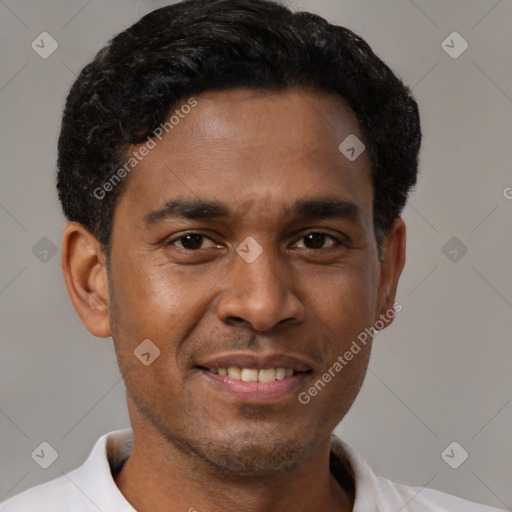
x,y
236,321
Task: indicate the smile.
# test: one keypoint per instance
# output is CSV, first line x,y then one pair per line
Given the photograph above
x,y
256,386
253,374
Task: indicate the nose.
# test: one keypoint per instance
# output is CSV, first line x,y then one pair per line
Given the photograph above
x,y
260,294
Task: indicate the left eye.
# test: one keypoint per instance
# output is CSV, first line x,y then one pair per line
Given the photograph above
x,y
316,239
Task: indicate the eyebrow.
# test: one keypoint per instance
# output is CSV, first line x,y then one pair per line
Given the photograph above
x,y
316,208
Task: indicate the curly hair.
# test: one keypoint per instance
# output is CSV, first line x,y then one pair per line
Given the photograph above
x,y
194,46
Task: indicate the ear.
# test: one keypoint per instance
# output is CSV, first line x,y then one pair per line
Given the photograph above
x,y
85,273
392,264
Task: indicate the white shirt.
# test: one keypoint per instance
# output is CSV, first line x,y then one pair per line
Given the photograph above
x,y
91,487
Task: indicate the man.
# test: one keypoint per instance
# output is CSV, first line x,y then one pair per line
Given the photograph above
x,y
204,155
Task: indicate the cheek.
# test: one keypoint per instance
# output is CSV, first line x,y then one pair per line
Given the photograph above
x,y
346,309
155,302
348,298
346,320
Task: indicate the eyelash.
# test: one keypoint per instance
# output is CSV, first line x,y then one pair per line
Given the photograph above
x,y
339,243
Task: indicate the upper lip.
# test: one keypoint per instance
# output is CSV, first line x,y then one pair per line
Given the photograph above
x,y
257,360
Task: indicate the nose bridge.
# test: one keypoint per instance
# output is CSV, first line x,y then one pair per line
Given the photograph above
x,y
257,289
259,273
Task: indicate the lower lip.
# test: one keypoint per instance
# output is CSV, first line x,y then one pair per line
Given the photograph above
x,y
256,392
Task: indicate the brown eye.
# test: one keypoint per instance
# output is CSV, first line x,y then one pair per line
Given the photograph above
x,y
190,241
317,239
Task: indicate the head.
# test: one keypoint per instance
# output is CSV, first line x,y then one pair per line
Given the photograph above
x,y
215,211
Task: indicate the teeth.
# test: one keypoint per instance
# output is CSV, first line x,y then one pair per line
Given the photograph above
x,y
234,372
280,373
254,375
249,375
267,375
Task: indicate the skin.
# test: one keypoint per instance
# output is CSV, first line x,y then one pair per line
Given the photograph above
x,y
257,152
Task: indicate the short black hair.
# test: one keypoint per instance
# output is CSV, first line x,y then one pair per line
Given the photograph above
x,y
195,46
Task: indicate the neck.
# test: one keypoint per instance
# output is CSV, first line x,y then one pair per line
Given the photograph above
x,y
161,476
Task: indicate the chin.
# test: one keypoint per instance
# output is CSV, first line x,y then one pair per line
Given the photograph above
x,y
247,452
246,445
249,455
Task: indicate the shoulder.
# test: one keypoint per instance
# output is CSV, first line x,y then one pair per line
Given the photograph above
x,y
88,488
54,496
420,499
377,493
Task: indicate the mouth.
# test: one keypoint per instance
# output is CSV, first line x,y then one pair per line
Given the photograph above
x,y
253,374
255,379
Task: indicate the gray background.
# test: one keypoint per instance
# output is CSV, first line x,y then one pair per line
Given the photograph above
x,y
440,373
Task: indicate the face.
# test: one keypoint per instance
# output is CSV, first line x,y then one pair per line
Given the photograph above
x,y
245,240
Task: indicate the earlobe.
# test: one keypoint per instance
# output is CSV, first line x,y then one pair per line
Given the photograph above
x,y
392,264
85,273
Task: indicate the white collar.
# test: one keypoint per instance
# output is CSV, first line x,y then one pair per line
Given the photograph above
x,y
111,450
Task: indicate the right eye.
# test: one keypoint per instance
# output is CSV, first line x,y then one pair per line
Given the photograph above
x,y
190,241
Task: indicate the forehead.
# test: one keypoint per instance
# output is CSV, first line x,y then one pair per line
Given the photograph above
x,y
253,149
